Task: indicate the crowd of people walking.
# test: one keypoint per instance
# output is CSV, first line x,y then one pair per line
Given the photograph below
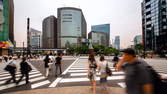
x,y
50,60
140,78
25,67
12,68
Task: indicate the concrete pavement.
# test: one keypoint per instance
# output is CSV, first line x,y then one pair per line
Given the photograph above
x,y
70,90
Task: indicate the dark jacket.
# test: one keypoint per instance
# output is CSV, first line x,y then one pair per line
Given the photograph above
x,y
24,67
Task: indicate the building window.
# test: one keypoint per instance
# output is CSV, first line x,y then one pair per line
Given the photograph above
x,y
149,12
148,6
148,19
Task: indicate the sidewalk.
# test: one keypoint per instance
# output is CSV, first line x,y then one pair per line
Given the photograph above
x,y
70,90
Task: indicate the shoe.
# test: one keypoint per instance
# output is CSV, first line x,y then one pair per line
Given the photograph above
x,y
7,82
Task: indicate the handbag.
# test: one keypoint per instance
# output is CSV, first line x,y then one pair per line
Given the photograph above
x,y
108,70
9,67
90,75
29,67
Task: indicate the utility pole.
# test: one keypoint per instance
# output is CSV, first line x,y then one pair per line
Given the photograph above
x,y
28,37
23,49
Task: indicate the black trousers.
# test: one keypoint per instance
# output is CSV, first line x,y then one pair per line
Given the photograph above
x,y
26,74
13,76
58,66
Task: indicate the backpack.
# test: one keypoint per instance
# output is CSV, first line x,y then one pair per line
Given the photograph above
x,y
159,85
108,70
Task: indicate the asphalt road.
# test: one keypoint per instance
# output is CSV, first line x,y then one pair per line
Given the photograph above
x,y
74,74
37,76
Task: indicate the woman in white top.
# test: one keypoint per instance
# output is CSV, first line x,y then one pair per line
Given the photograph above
x,y
92,66
103,75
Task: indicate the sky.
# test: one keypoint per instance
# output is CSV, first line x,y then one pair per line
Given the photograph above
x,y
124,16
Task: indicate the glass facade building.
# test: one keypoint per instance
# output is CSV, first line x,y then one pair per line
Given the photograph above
x,y
35,38
6,27
98,38
117,42
1,15
154,25
105,28
49,33
137,39
71,27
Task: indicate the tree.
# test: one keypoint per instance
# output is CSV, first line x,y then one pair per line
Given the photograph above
x,y
138,48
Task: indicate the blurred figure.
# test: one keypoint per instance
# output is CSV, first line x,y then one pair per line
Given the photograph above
x,y
115,60
12,71
103,75
0,59
25,68
58,64
137,77
6,58
92,66
46,61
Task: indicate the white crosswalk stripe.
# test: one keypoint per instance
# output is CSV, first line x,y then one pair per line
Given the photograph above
x,y
35,77
77,73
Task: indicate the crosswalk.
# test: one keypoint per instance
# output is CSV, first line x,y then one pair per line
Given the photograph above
x,y
35,77
74,75
77,75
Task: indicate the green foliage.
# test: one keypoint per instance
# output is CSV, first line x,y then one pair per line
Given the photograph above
x,y
98,49
138,48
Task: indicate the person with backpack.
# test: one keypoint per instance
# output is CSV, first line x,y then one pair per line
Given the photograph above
x,y
47,60
58,64
138,78
11,68
25,68
103,74
92,66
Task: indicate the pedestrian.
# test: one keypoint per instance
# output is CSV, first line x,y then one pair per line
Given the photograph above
x,y
0,59
25,68
92,66
115,60
6,58
58,64
103,75
137,76
12,70
46,61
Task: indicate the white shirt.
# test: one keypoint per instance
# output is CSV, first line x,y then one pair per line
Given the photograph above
x,y
102,65
12,62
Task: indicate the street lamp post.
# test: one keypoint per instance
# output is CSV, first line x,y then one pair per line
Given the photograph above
x,y
28,37
23,49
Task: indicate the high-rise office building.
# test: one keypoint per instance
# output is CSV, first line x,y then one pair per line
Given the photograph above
x,y
35,38
72,27
1,15
137,39
117,42
103,28
98,38
49,33
154,25
6,26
